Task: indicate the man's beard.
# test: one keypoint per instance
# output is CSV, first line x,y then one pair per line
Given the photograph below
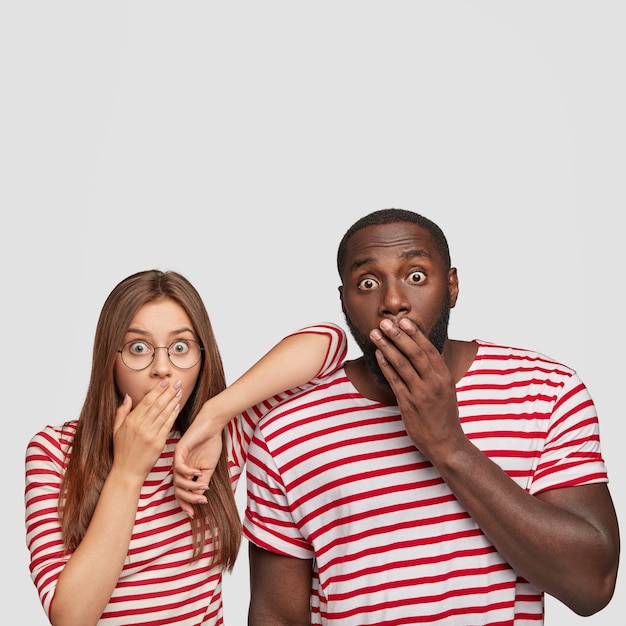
x,y
437,337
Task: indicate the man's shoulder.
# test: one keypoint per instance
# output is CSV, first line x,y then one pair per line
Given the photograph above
x,y
331,389
500,353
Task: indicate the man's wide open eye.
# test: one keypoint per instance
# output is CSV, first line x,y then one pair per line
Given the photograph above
x,y
417,277
367,284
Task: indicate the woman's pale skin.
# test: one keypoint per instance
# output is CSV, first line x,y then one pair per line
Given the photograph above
x,y
153,399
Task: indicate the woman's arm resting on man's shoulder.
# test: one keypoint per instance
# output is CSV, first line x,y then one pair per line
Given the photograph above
x,y
294,361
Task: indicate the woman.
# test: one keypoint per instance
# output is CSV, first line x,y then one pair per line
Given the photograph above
x,y
109,543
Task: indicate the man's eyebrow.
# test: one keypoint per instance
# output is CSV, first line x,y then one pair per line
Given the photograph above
x,y
360,262
411,254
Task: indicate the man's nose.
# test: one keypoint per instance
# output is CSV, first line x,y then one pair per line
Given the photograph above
x,y
395,300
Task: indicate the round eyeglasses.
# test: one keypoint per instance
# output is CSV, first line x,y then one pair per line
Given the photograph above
x,y
183,353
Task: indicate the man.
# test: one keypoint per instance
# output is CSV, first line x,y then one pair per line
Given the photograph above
x,y
430,481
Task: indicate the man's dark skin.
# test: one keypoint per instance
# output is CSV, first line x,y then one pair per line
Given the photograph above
x,y
396,286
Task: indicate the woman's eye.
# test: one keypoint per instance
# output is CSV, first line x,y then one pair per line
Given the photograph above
x,y
139,347
417,277
179,347
367,284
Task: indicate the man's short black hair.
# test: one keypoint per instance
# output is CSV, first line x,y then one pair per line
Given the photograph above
x,y
390,216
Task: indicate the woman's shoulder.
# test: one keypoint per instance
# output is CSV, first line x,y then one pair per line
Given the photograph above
x,y
58,437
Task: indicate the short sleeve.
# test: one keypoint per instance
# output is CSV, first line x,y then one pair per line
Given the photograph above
x,y
268,522
337,348
572,454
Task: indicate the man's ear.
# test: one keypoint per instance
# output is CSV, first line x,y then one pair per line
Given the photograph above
x,y
340,290
453,286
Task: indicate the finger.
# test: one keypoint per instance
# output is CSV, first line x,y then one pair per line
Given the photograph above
x,y
409,327
165,402
186,507
168,417
393,340
395,380
399,359
122,412
406,347
187,499
401,333
160,411
193,497
184,471
143,408
189,485
434,358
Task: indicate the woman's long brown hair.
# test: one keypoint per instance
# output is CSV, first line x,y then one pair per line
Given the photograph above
x,y
92,452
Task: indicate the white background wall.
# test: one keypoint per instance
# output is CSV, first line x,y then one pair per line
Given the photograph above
x,y
236,142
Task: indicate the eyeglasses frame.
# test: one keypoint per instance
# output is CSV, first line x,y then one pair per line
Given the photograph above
x,y
155,348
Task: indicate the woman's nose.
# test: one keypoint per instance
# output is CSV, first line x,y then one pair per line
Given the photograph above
x,y
161,364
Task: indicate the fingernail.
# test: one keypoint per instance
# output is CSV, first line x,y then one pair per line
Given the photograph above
x,y
178,384
165,382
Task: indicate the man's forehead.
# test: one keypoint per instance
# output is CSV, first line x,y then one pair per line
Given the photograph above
x,y
404,238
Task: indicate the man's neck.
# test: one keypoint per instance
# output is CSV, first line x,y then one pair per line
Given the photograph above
x,y
459,356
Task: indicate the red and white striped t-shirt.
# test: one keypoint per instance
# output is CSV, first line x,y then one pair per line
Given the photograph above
x,y
158,584
333,476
